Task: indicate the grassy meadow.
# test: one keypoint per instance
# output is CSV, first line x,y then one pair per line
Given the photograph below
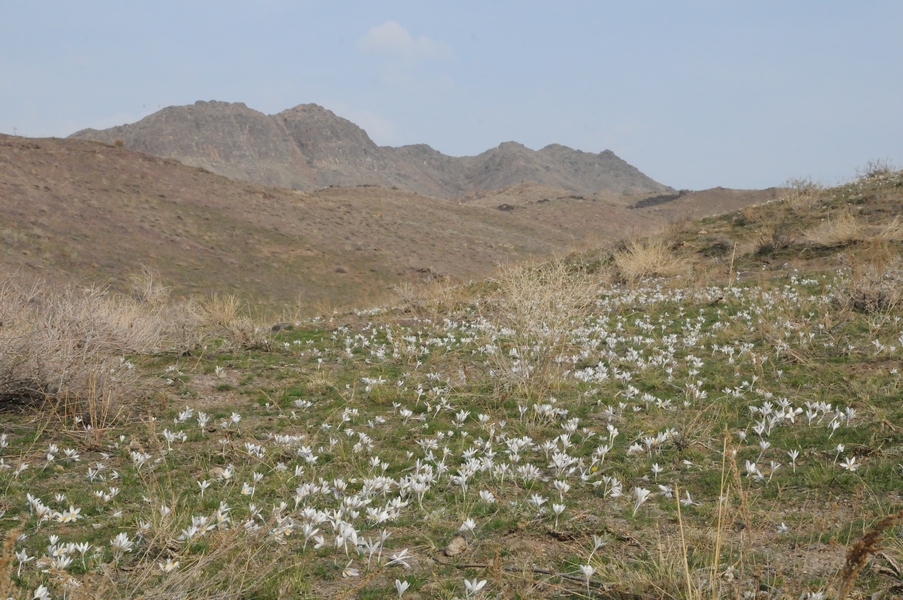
x,y
713,412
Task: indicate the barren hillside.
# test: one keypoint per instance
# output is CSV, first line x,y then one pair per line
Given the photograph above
x,y
74,210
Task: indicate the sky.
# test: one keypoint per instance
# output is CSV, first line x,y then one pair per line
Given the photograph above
x,y
695,94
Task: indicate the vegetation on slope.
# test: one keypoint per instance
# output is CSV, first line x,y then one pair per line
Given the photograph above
x,y
578,429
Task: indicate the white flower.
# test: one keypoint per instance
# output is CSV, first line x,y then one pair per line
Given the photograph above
x,y
122,543
169,566
849,463
467,525
349,571
41,594
474,586
400,558
69,516
537,501
793,454
401,586
640,495
23,558
687,500
656,469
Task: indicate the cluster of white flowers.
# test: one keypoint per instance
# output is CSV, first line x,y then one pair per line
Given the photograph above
x,y
530,456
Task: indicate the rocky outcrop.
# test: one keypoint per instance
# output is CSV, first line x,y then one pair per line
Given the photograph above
x,y
309,147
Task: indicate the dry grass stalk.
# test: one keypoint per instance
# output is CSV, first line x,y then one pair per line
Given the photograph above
x,y
234,565
719,526
648,258
861,550
683,545
6,562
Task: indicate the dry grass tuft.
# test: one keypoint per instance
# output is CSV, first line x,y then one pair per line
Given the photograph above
x,y
437,297
845,229
649,258
224,311
147,289
892,232
72,347
861,550
874,283
221,310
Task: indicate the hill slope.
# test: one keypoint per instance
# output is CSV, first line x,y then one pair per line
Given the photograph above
x,y
549,433
309,147
78,210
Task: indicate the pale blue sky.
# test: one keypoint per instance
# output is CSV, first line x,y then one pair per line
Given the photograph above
x,y
695,94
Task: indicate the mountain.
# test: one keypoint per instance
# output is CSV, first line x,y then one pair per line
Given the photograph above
x,y
309,147
76,211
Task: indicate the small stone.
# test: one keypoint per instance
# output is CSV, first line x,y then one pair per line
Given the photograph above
x,y
456,546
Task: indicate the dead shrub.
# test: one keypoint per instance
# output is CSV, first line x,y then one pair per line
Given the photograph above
x,y
649,258
773,239
881,167
717,246
72,347
245,333
804,196
544,301
538,305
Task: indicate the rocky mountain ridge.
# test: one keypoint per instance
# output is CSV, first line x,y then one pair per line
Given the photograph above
x,y
309,147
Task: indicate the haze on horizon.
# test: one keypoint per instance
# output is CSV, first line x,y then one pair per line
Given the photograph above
x,y
694,94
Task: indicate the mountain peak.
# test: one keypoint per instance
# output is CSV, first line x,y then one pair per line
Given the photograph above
x,y
308,146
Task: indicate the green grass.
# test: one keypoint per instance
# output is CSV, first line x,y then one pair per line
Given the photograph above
x,y
700,366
